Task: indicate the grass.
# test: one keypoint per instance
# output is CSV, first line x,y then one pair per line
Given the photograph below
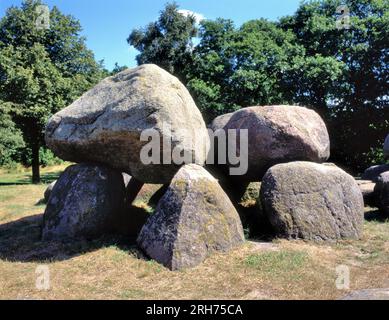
x,y
113,267
275,263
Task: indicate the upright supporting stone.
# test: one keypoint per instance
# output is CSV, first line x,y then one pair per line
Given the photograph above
x,y
86,201
194,219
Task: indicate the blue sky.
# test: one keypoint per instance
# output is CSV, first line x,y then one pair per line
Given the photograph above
x,y
107,24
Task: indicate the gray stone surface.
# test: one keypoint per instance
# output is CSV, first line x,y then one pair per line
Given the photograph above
x,y
221,121
192,220
105,124
367,188
374,172
382,192
369,294
85,202
48,191
126,178
305,200
279,134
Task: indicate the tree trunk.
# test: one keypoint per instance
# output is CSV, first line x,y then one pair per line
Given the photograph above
x,y
36,177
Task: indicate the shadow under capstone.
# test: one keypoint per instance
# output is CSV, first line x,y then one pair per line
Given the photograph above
x,y
20,241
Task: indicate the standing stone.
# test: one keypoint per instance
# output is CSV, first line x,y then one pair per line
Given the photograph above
x,y
305,200
382,192
374,172
386,147
48,191
279,134
106,123
85,202
192,220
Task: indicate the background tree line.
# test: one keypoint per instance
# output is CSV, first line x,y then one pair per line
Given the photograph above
x,y
41,71
301,59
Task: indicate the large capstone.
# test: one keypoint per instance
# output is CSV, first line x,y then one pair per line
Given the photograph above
x,y
86,202
105,125
305,200
277,134
192,220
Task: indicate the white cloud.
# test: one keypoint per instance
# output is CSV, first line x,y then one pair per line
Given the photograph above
x,y
199,17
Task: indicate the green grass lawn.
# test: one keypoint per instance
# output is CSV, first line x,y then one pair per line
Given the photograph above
x,y
113,267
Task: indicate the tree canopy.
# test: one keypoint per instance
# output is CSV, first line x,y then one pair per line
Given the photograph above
x,y
41,70
166,42
304,59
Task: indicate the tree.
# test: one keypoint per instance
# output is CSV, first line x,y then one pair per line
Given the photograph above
x,y
11,139
257,64
357,101
212,68
117,68
303,59
166,42
41,70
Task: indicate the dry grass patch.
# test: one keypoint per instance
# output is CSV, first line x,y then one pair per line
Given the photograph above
x,y
113,268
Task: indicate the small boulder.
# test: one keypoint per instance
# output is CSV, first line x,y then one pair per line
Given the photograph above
x,y
279,134
305,200
192,220
106,124
85,202
382,192
374,172
48,191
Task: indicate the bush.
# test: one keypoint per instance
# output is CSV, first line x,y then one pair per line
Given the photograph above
x,y
47,158
11,139
376,156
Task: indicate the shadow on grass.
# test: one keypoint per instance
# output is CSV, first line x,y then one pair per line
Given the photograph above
x,y
376,216
20,241
25,179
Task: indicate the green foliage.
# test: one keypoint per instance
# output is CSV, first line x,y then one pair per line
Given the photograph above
x,y
118,69
166,42
42,70
278,262
357,101
11,139
47,158
375,156
301,59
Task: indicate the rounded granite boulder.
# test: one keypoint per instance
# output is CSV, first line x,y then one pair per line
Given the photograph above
x,y
277,134
319,202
